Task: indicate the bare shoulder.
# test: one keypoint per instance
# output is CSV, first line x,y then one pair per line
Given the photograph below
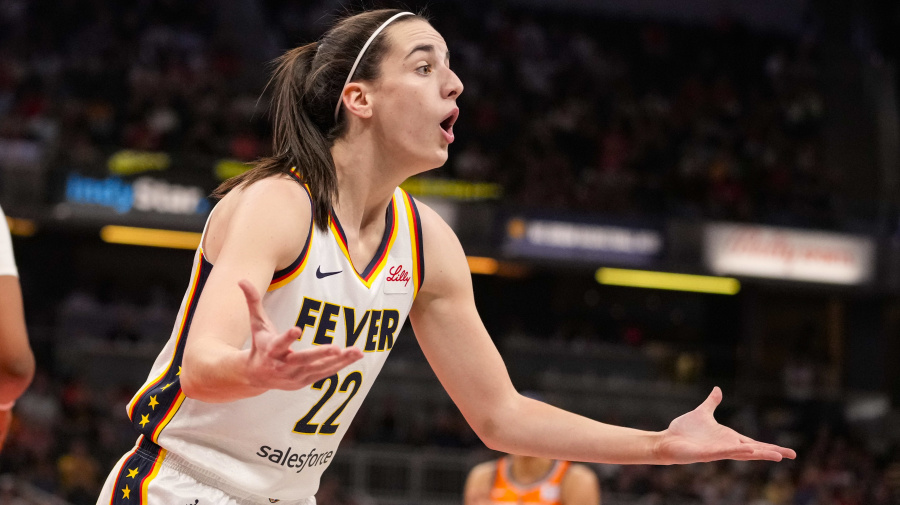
x,y
580,473
274,212
280,194
483,471
479,483
580,486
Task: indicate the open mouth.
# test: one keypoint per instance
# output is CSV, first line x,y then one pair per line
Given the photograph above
x,y
447,123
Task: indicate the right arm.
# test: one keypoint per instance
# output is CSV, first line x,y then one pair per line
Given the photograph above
x,y
260,229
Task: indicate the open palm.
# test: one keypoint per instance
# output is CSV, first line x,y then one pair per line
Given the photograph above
x,y
273,364
696,437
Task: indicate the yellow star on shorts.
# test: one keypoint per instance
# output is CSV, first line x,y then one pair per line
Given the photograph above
x,y
144,419
179,370
132,472
166,386
126,493
153,402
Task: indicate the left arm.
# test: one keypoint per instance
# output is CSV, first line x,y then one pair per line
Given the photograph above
x,y
467,363
16,358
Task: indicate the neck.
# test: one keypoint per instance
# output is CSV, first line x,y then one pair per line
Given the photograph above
x,y
527,470
366,180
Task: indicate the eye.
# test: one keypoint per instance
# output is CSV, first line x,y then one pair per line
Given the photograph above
x,y
425,69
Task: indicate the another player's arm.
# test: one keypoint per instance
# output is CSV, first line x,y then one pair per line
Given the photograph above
x,y
580,486
16,358
464,358
263,229
479,483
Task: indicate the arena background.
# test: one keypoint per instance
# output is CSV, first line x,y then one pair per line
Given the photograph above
x,y
600,144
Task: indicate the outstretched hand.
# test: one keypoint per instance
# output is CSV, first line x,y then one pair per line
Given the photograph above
x,y
272,364
696,437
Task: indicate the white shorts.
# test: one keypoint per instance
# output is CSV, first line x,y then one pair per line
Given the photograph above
x,y
148,475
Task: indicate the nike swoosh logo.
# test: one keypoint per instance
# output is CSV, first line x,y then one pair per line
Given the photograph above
x,y
321,275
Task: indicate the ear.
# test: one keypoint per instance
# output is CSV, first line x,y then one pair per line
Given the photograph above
x,y
357,100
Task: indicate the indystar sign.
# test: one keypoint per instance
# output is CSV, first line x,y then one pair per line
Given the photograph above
x,y
784,253
145,194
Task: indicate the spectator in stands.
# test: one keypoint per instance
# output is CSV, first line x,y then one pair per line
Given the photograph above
x,y
79,474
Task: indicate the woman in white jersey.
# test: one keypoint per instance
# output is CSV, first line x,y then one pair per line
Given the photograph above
x,y
242,409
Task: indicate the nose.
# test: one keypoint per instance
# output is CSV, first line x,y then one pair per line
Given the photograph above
x,y
453,86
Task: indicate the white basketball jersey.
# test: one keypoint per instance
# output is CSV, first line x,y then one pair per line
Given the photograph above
x,y
277,444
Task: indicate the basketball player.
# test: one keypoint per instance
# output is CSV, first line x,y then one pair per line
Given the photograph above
x,y
16,359
528,480
329,258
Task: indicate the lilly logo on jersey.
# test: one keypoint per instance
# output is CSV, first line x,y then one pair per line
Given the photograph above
x,y
294,460
396,282
398,274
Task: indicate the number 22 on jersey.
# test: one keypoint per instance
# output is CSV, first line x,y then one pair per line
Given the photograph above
x,y
329,427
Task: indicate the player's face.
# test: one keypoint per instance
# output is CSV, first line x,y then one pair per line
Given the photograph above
x,y
414,100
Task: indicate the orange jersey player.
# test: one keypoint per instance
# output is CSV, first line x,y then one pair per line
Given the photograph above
x,y
524,480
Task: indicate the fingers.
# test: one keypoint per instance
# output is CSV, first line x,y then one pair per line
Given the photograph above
x,y
712,401
764,455
312,359
307,357
787,453
258,318
330,364
751,450
784,451
302,368
284,341
746,452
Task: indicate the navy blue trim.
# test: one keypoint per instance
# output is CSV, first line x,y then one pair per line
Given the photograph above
x,y
388,229
277,276
166,389
312,222
142,460
419,239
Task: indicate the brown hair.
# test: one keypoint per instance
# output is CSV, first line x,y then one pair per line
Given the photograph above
x,y
306,84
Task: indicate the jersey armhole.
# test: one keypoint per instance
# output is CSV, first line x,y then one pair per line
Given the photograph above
x,y
414,221
286,275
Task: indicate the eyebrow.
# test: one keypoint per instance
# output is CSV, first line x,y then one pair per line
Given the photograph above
x,y
428,48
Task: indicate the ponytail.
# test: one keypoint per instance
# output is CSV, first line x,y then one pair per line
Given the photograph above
x,y
297,141
306,86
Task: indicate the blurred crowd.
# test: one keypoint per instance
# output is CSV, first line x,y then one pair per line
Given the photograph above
x,y
565,111
68,435
641,118
84,78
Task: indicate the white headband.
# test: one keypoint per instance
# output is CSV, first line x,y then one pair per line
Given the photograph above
x,y
337,107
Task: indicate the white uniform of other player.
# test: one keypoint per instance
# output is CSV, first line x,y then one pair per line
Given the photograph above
x,y
275,446
7,259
